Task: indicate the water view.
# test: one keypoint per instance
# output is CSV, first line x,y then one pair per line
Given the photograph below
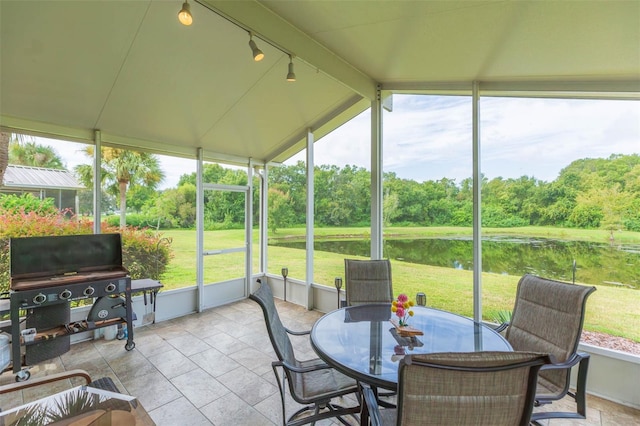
x,y
596,263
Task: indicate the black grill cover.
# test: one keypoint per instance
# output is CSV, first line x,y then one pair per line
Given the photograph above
x,y
33,257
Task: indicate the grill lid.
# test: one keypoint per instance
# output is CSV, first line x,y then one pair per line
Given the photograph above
x,y
65,256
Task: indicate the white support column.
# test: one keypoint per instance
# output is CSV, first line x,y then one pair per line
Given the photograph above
x,y
477,208
76,201
376,177
200,231
310,218
264,219
248,227
97,179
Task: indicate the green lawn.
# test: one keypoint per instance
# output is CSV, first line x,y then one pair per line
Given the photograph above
x,y
615,311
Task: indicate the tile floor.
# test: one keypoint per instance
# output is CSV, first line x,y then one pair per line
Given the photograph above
x,y
215,368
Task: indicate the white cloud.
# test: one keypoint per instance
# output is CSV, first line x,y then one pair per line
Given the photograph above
x,y
429,137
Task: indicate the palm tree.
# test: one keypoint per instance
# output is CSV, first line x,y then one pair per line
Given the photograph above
x,y
5,142
121,168
33,154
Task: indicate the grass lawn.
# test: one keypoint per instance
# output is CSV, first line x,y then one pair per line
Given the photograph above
x,y
610,310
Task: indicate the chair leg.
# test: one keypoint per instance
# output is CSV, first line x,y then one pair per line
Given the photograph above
x,y
317,415
581,386
580,397
329,414
281,389
381,402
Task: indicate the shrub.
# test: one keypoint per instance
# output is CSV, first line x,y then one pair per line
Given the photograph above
x,y
137,220
27,203
632,225
496,217
144,253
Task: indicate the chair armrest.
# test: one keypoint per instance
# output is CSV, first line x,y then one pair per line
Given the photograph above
x,y
12,387
297,333
371,405
295,369
501,327
570,362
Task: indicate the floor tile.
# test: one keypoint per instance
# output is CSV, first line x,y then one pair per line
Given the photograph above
x,y
214,362
231,409
199,387
172,363
153,390
242,379
188,344
179,412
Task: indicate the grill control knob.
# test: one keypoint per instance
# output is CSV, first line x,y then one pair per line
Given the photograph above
x,y
66,294
39,299
89,291
110,288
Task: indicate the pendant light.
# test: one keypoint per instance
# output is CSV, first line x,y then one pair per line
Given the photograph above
x,y
257,53
184,16
291,76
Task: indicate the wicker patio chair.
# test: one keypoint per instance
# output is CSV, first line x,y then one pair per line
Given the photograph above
x,y
368,281
548,317
310,382
461,388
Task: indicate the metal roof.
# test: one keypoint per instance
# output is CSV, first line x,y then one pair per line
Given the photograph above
x,y
131,71
39,178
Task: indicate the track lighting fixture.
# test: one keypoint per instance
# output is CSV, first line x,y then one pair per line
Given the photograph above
x,y
184,16
257,53
291,76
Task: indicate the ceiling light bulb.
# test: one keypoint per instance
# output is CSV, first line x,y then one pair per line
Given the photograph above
x,y
257,53
291,76
184,16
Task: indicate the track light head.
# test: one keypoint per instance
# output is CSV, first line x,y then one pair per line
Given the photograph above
x,y
184,16
291,76
257,53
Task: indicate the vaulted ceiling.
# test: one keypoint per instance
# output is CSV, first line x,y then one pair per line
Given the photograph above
x,y
130,70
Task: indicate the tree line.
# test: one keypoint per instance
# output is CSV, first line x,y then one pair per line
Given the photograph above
x,y
588,193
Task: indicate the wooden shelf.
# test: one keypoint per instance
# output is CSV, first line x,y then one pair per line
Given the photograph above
x,y
61,331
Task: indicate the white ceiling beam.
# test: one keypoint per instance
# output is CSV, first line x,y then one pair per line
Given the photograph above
x,y
46,130
253,16
320,128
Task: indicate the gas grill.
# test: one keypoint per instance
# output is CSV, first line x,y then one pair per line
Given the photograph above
x,y
49,272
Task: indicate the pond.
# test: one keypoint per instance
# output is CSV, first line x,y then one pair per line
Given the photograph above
x,y
596,263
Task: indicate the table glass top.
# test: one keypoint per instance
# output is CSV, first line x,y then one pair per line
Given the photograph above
x,y
360,340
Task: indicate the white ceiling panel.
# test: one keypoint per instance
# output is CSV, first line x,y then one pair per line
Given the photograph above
x,y
58,69
130,70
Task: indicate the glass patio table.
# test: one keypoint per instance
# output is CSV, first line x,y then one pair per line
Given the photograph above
x,y
361,342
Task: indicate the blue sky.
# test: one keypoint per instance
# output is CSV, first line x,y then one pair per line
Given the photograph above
x,y
429,137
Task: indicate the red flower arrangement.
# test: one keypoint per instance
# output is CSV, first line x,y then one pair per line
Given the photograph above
x,y
402,308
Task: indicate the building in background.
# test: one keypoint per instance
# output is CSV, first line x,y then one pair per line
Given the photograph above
x,y
42,183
